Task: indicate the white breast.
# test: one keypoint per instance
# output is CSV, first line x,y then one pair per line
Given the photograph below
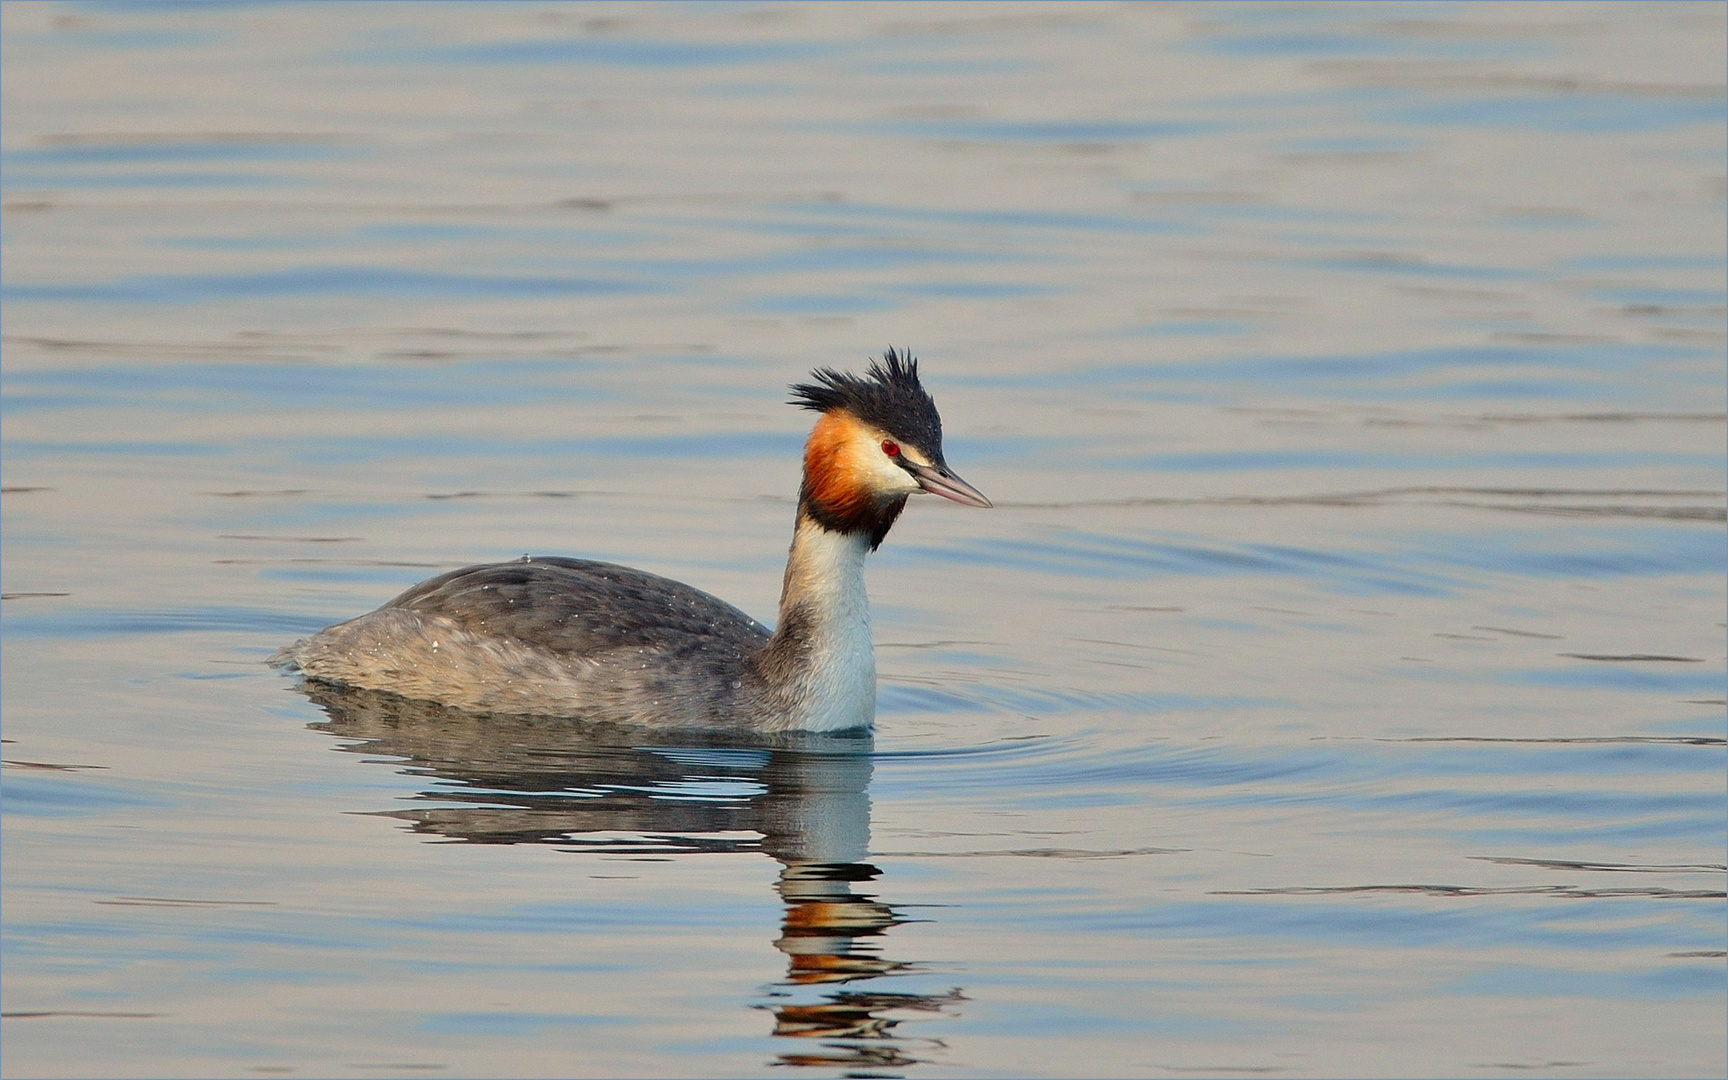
x,y
838,689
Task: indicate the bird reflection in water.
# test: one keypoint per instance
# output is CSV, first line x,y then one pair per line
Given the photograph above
x,y
801,798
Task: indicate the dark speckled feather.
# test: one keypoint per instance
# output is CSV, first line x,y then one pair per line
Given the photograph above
x,y
576,607
571,637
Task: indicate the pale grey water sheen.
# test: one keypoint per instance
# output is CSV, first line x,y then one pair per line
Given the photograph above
x,y
1337,687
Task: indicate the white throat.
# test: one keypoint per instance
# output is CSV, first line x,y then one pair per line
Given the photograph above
x,y
825,576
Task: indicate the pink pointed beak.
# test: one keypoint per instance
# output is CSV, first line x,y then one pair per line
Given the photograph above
x,y
938,479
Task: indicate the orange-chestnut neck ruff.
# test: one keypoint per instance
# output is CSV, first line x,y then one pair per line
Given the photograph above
x,y
838,493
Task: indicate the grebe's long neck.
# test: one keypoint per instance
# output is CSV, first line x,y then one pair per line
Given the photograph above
x,y
821,656
820,665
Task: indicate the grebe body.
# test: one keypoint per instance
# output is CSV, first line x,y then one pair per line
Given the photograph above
x,y
552,636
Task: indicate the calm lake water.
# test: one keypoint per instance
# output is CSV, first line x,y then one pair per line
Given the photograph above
x,y
1336,689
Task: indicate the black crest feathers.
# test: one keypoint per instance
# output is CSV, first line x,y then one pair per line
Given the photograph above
x,y
888,396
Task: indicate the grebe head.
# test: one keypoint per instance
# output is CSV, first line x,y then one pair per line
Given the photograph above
x,y
878,441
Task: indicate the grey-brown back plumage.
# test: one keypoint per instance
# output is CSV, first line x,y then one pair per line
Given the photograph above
x,y
577,607
553,636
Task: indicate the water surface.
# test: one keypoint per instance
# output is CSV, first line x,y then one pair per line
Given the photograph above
x,y
1337,688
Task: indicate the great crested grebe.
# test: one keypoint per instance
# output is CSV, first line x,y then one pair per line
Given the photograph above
x,y
595,641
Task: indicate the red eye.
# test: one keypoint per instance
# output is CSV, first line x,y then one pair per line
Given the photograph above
x,y
890,447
